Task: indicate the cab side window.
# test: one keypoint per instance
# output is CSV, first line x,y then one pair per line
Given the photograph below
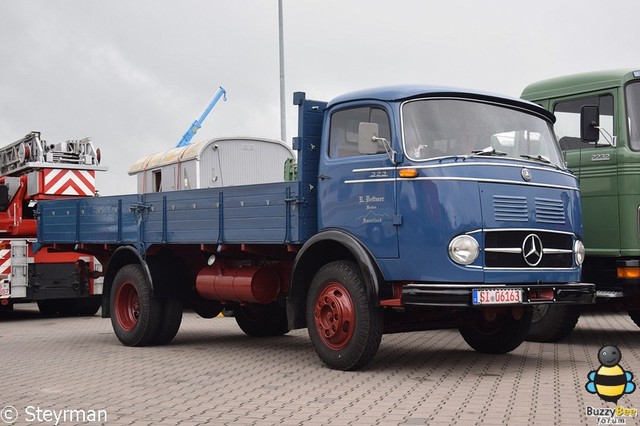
x,y
567,125
343,139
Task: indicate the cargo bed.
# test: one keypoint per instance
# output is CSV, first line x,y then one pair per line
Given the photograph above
x,y
252,214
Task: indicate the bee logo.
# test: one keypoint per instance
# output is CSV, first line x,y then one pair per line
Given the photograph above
x,y
610,381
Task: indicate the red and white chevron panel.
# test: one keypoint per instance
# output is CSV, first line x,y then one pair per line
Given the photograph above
x,y
5,258
69,182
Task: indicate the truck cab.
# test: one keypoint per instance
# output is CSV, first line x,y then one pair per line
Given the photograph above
x,y
449,170
460,201
598,126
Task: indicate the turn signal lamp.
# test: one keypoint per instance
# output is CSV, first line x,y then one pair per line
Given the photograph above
x,y
408,173
628,272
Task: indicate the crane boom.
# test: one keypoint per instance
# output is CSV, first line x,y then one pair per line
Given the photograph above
x,y
186,138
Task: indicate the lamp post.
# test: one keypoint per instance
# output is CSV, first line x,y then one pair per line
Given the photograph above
x,y
283,119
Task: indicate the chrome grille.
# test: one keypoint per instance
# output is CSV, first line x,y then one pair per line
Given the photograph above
x,y
508,249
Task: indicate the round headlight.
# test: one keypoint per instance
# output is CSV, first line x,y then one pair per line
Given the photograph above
x,y
578,252
464,249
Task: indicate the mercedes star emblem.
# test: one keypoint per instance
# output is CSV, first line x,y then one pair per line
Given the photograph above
x,y
532,250
526,174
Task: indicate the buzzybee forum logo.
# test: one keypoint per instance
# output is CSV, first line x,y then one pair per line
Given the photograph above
x,y
610,382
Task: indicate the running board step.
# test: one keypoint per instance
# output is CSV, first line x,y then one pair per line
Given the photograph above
x,y
609,294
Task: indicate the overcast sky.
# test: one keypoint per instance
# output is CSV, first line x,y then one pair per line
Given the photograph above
x,y
133,75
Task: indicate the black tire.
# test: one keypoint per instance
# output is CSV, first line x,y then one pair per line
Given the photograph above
x,y
50,308
499,336
635,317
86,307
262,320
552,323
205,308
6,309
344,325
83,307
135,314
170,321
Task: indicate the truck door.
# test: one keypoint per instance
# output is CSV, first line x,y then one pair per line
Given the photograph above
x,y
356,192
596,166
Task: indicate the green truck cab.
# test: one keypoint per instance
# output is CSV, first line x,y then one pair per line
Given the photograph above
x,y
598,128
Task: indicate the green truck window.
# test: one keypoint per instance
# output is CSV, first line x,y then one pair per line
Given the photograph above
x,y
568,120
633,115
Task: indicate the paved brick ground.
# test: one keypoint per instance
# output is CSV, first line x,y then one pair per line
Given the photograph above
x,y
213,374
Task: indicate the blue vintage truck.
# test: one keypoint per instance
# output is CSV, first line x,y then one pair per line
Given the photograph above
x,y
414,207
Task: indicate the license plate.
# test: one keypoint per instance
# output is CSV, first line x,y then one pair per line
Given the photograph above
x,y
5,289
497,296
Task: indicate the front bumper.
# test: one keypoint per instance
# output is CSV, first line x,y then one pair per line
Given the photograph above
x,y
429,294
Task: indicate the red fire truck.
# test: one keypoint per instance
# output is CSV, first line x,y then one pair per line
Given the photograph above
x,y
32,170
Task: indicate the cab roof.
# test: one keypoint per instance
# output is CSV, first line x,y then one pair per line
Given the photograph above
x,y
579,83
407,92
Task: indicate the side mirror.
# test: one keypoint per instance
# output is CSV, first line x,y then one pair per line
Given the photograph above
x,y
589,123
366,134
4,198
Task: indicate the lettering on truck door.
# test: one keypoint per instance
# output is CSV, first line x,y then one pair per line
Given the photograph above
x,y
357,191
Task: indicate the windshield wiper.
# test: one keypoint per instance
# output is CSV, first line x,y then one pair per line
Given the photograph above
x,y
487,151
540,158
536,157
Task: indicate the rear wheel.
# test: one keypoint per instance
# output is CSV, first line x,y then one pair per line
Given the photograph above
x,y
344,326
83,307
496,332
552,323
6,308
169,322
135,314
205,308
262,320
87,307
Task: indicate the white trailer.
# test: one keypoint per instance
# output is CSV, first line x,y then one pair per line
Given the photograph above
x,y
211,164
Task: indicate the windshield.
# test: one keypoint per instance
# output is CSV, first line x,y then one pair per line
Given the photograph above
x,y
455,127
633,115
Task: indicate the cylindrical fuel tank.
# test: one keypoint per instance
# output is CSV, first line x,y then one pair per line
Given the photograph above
x,y
233,284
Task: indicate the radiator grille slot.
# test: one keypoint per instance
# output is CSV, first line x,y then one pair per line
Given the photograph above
x,y
549,211
510,209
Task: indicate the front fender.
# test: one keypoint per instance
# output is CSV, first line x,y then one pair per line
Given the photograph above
x,y
327,246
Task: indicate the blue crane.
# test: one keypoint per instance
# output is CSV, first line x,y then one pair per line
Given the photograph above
x,y
186,138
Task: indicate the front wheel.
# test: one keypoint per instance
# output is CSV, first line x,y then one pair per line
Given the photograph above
x,y
496,332
552,323
135,314
344,326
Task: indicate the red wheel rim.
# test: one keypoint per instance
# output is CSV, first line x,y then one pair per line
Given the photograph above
x,y
127,306
335,317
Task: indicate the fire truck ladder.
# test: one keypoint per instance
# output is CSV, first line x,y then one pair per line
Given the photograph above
x,y
32,152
